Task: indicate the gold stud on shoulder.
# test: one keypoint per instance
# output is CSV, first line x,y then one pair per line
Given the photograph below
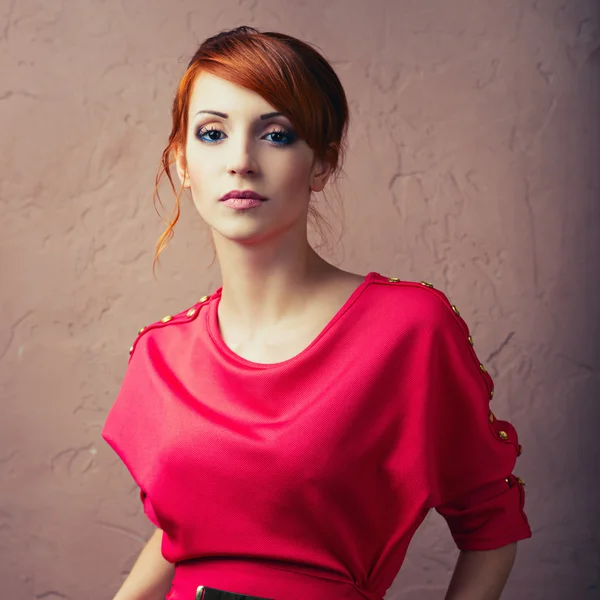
x,y
471,343
393,279
520,481
141,330
520,450
131,350
491,417
482,367
503,435
204,298
190,313
491,393
427,284
456,311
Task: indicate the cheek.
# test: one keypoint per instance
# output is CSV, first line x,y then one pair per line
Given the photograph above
x,y
299,178
293,174
206,180
200,165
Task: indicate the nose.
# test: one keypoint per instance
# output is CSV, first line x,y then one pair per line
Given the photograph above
x,y
242,159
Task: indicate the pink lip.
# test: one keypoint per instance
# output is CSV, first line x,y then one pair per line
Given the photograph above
x,y
246,194
242,203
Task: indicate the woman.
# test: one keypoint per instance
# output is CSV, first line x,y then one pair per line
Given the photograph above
x,y
290,432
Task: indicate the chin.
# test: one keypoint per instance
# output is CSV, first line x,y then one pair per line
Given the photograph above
x,y
251,230
242,232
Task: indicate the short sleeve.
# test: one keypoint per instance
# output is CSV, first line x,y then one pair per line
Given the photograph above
x,y
132,425
473,453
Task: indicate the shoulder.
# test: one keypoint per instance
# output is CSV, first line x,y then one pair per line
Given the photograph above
x,y
168,322
417,300
433,311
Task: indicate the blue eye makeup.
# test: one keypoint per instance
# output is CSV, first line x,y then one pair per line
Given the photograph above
x,y
284,137
279,136
203,132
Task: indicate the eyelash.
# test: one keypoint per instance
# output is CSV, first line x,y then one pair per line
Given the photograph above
x,y
288,135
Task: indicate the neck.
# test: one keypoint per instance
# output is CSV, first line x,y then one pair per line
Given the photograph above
x,y
264,282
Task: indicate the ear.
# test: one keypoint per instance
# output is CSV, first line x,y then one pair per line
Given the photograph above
x,y
181,165
321,171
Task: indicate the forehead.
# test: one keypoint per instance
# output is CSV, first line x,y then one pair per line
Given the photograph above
x,y
210,92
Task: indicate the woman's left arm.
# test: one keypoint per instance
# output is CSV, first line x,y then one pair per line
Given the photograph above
x,y
482,574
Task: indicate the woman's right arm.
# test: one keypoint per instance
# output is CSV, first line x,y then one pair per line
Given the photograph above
x,y
151,575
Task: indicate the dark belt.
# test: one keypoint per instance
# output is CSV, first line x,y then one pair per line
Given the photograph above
x,y
206,593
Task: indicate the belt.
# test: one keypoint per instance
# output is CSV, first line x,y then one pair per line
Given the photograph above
x,y
207,593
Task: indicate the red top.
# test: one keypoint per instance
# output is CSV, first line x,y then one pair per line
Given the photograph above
x,y
308,478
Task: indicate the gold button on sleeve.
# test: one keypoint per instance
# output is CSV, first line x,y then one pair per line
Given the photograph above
x,y
131,350
503,435
491,417
427,284
520,481
393,279
456,311
166,319
492,393
142,329
191,312
471,343
204,298
482,367
520,450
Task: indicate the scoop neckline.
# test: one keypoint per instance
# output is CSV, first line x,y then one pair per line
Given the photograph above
x,y
214,331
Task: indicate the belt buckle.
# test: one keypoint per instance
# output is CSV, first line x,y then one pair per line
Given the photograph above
x,y
203,592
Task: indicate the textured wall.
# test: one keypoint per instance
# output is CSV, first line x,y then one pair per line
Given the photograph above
x,y
473,164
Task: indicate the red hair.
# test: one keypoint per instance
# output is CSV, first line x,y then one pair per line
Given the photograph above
x,y
288,73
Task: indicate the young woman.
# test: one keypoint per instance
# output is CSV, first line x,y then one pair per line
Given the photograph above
x,y
290,431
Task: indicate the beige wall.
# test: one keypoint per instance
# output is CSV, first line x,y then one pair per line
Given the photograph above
x,y
473,164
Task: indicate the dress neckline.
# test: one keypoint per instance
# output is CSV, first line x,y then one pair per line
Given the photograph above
x,y
212,323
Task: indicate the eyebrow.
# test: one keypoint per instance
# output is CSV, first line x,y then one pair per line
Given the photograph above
x,y
226,116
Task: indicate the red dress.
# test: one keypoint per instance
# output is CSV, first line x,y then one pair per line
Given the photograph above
x,y
308,478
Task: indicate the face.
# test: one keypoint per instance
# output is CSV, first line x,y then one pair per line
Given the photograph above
x,y
248,145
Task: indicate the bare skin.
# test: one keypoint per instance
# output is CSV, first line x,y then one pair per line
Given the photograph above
x,y
151,575
482,575
316,304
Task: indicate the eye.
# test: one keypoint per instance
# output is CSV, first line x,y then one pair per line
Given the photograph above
x,y
212,134
282,137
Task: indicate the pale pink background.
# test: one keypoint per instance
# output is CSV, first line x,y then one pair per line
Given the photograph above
x,y
473,164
